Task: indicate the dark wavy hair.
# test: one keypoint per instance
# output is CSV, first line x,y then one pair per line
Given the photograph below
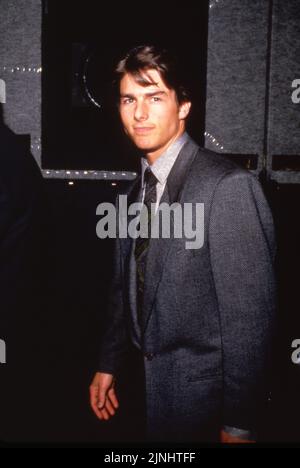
x,y
142,58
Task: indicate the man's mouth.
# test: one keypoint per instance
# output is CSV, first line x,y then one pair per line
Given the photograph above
x,y
142,130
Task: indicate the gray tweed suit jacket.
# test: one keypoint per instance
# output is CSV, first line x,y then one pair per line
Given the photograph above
x,y
208,313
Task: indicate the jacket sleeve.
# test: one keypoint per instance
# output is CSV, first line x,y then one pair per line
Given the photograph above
x,y
115,339
21,248
242,249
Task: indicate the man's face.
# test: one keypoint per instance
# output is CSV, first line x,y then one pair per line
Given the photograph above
x,y
151,115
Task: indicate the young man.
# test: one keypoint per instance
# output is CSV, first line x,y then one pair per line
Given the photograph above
x,y
201,318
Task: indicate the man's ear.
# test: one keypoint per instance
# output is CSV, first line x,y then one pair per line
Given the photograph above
x,y
184,110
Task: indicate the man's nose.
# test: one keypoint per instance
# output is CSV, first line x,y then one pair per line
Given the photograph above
x,y
141,111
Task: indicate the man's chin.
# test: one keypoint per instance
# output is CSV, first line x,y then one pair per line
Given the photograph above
x,y
144,145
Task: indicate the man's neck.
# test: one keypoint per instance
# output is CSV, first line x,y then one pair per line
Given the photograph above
x,y
152,157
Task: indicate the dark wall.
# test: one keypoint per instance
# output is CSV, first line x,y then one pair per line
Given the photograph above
x,y
236,75
252,61
284,114
81,128
20,67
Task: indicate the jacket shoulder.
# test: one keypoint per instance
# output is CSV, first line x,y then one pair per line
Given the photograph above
x,y
217,164
208,169
19,172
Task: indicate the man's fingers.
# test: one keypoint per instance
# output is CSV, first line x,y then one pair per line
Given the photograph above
x,y
109,407
102,393
94,401
103,399
104,413
97,412
113,398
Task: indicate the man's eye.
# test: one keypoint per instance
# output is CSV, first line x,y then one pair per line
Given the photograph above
x,y
155,99
127,101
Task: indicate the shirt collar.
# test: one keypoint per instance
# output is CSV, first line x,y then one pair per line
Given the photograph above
x,y
163,165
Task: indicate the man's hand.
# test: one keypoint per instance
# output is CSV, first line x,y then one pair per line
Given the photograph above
x,y
103,399
226,438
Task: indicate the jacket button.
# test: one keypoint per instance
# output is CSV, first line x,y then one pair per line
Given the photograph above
x,y
149,356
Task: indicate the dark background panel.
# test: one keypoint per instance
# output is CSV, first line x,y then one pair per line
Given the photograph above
x,y
236,76
284,114
86,39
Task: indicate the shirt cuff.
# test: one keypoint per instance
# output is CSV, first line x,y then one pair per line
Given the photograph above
x,y
240,433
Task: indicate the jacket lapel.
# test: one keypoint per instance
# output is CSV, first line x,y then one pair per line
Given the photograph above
x,y
127,247
133,196
158,248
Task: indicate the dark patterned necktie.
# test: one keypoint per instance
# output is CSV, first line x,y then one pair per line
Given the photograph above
x,y
142,243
